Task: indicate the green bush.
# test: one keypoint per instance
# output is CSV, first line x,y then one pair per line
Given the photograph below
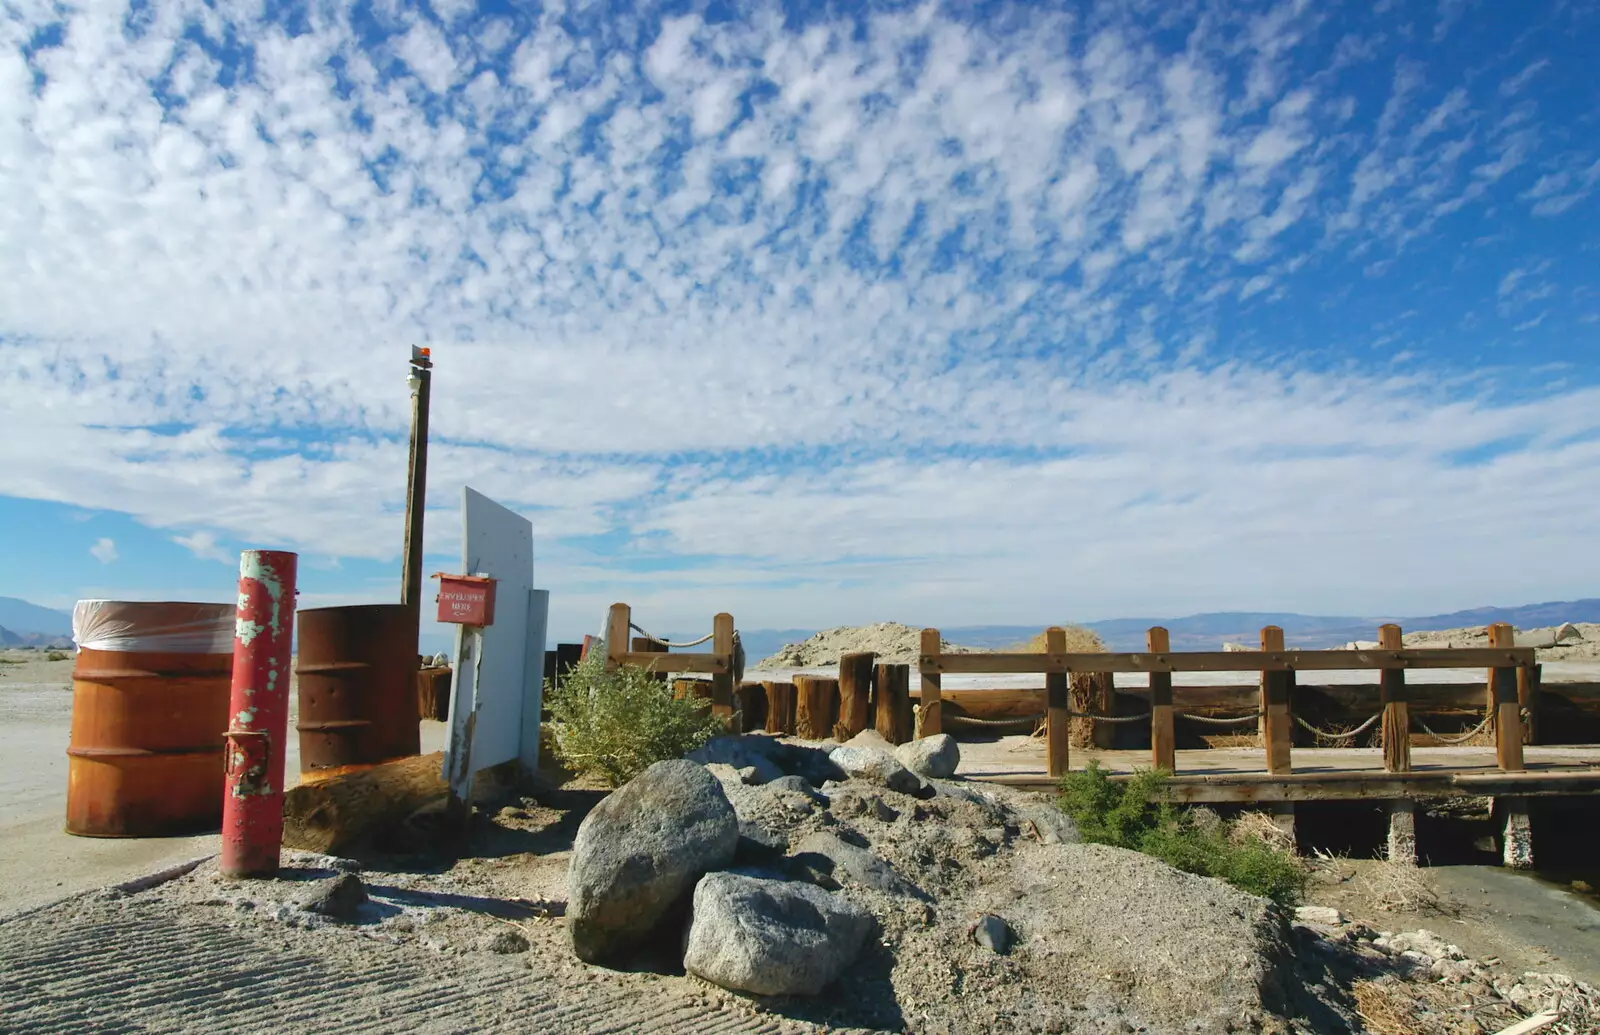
x,y
1124,816
614,724
56,655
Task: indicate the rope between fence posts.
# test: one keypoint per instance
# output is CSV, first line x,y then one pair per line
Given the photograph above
x,y
668,643
1347,735
1219,722
1109,718
1479,728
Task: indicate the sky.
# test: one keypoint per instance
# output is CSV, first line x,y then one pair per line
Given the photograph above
x,y
816,313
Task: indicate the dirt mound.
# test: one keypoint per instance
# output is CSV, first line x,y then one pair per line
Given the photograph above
x,y
1573,641
892,642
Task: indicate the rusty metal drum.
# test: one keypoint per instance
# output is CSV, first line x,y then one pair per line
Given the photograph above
x,y
149,707
357,671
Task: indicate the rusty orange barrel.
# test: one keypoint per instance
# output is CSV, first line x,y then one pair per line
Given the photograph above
x,y
357,671
149,706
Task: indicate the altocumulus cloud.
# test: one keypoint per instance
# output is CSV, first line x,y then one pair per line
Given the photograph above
x,y
966,313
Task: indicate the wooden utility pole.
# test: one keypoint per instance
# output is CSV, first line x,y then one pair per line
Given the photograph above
x,y
421,381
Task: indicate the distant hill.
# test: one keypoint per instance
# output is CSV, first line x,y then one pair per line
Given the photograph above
x,y
1209,631
15,639
21,618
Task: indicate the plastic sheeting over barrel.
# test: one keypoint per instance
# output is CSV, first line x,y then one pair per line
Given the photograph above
x,y
357,683
149,705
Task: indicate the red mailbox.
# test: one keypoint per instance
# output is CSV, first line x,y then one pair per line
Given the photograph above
x,y
466,599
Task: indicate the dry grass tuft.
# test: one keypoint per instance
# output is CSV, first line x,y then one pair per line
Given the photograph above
x,y
1231,740
1079,641
1258,826
1398,887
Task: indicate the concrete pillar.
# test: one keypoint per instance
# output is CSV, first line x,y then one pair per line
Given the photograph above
x,y
1282,814
1403,832
1517,841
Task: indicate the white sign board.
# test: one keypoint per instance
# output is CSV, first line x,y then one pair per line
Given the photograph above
x,y
495,693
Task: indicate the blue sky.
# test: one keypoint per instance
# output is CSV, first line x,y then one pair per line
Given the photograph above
x,y
817,314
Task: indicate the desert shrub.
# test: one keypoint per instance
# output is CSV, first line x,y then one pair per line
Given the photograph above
x,y
615,724
57,655
1079,641
1123,815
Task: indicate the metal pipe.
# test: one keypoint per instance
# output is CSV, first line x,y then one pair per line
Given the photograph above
x,y
258,728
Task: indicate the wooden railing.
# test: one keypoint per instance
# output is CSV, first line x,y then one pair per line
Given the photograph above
x,y
718,661
1511,687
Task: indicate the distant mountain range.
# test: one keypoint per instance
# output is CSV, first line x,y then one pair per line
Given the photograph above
x,y
28,625
1210,631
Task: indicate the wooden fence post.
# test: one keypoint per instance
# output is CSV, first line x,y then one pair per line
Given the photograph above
x,y
1396,710
1163,739
722,682
1276,726
780,708
894,703
1528,682
1504,704
855,694
752,706
816,706
1057,715
931,716
617,623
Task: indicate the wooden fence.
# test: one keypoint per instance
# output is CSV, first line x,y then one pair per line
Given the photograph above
x,y
654,656
1512,687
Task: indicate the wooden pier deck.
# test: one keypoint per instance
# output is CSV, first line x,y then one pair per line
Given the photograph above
x,y
1238,775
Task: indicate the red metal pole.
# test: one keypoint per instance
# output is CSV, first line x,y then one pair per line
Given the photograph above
x,y
252,802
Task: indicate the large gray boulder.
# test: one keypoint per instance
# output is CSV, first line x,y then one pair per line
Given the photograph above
x,y
771,937
639,853
936,757
868,763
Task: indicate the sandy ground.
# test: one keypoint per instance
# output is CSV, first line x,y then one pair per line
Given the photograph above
x,y
39,862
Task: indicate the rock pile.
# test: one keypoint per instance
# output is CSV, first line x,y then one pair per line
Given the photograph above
x,y
892,642
1416,981
924,902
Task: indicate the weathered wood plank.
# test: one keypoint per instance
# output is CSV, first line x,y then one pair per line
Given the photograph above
x,y
1396,708
931,713
855,694
722,676
816,706
893,713
1163,737
1277,728
1229,661
1507,707
1058,717
715,664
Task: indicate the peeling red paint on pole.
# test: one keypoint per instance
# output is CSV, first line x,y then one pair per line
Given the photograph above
x,y
258,727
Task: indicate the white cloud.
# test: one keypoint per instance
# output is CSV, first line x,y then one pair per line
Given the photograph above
x,y
104,550
764,339
204,546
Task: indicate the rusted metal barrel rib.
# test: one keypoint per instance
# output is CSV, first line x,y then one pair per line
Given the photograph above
x,y
357,682
149,704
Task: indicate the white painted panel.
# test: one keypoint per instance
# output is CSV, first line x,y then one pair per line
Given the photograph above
x,y
491,676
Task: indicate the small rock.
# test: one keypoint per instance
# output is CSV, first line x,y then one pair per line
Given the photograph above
x,y
758,843
507,942
771,937
639,853
992,933
750,776
800,784
879,767
337,898
751,752
830,854
1324,915
935,757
